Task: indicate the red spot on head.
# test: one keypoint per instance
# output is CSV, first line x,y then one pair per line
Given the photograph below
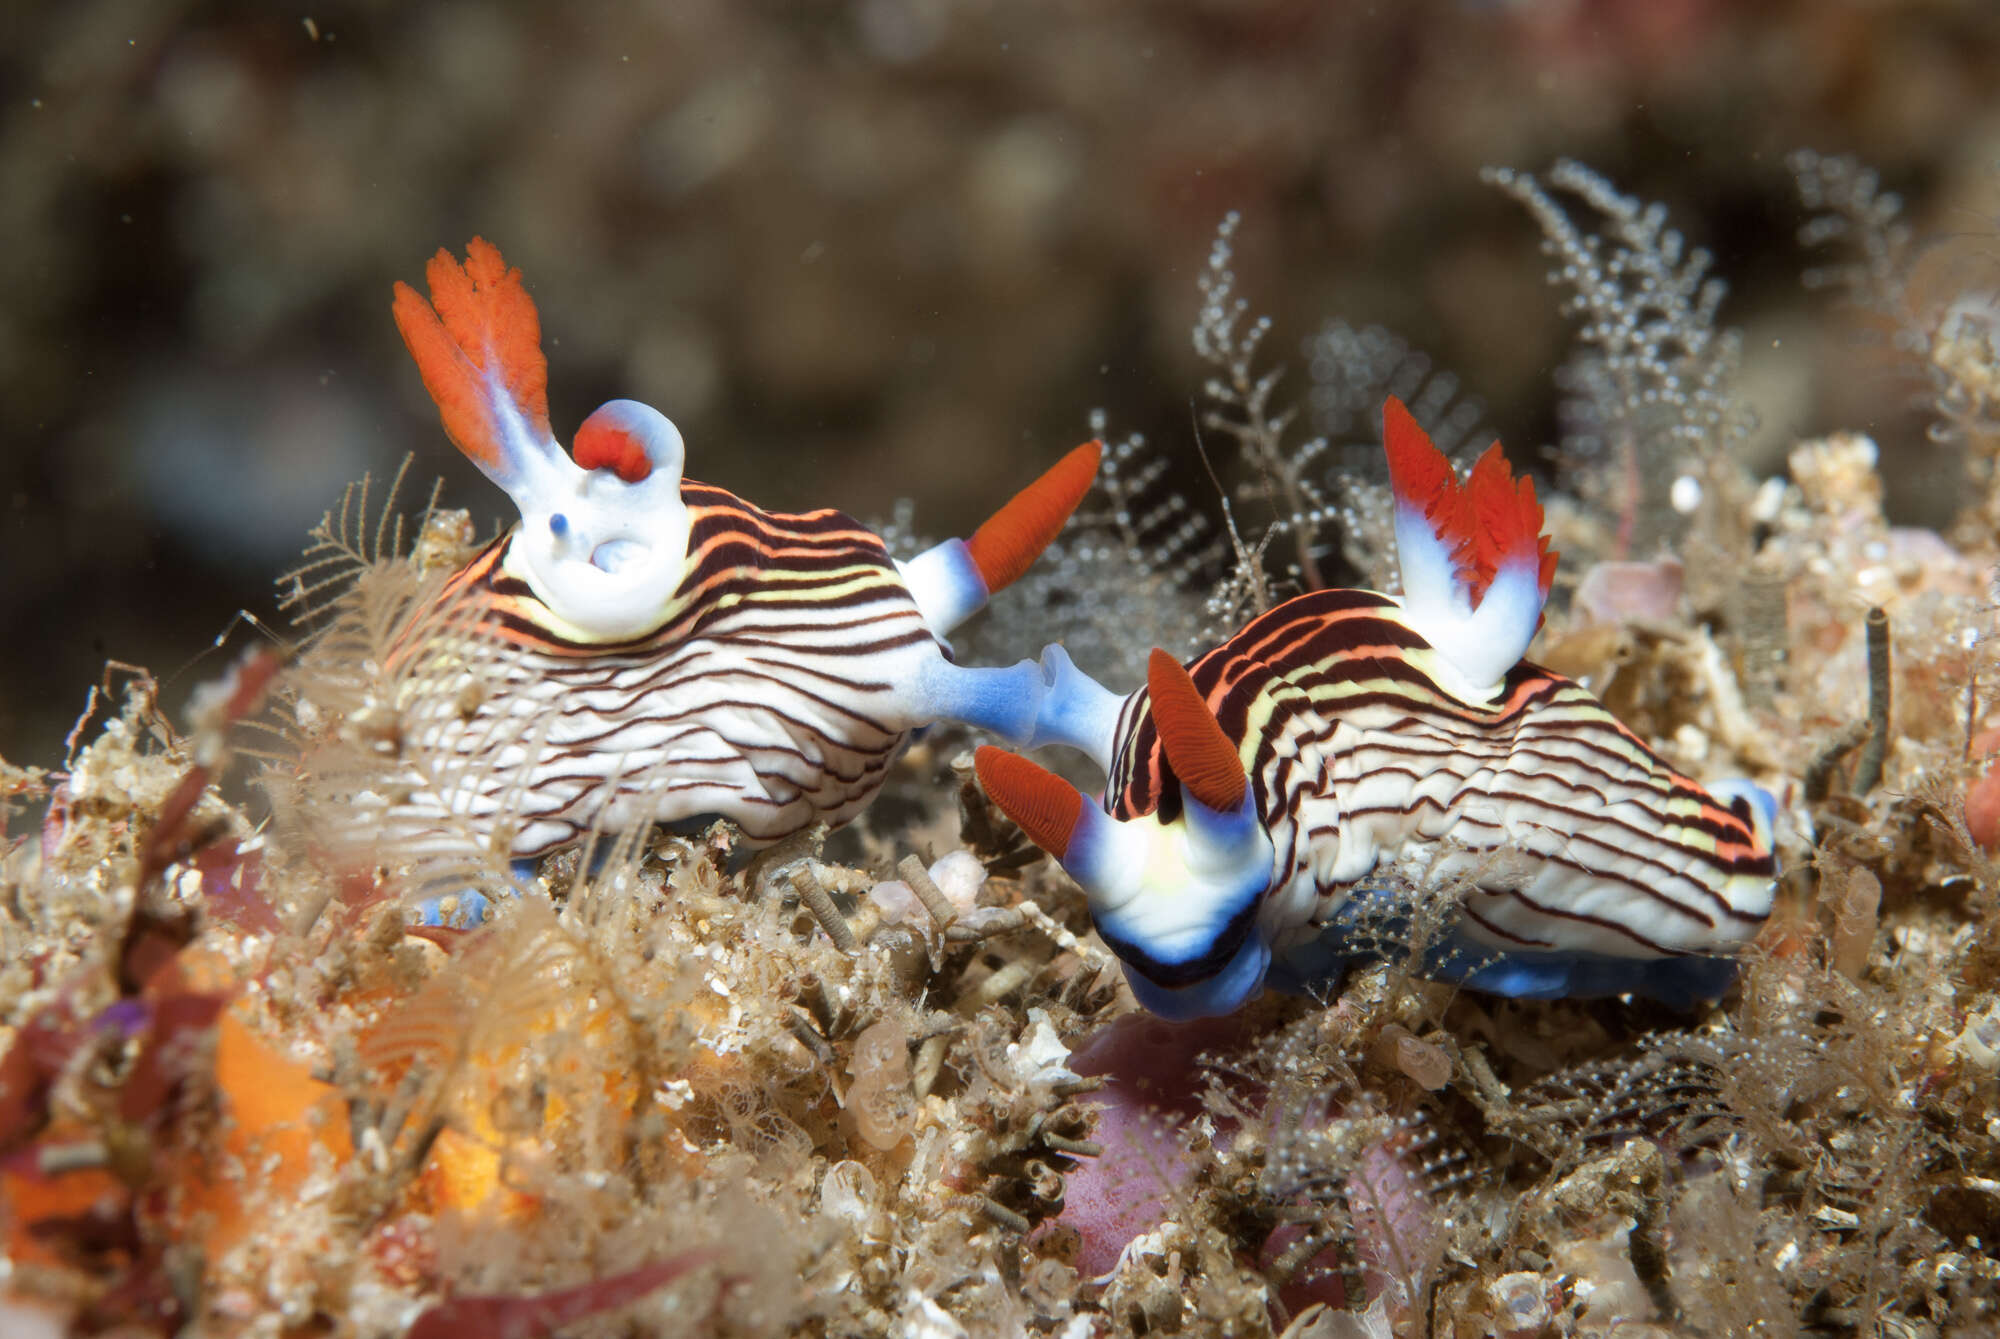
x,y
1200,754
1046,806
1010,541
601,444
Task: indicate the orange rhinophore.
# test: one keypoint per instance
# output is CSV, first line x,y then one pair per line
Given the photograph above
x,y
1013,537
1045,806
604,445
1200,754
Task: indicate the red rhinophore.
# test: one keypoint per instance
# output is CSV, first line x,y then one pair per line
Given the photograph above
x,y
1046,806
1200,754
1013,537
601,444
480,323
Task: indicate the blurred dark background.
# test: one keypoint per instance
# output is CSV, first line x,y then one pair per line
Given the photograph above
x,y
856,250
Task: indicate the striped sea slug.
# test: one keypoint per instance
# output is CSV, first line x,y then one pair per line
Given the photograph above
x,y
1265,798
642,648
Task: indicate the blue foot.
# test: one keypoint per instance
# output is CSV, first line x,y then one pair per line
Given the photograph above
x,y
469,908
458,911
1679,983
1763,805
1371,928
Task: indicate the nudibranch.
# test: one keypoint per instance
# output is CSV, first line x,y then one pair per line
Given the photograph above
x,y
671,652
1259,796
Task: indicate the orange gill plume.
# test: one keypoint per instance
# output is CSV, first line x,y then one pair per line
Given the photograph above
x,y
1422,478
1507,522
1485,520
479,328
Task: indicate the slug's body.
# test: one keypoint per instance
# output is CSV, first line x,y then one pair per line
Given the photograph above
x,y
769,693
644,649
1569,837
1289,799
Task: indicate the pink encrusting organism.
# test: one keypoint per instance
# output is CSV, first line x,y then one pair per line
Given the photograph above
x,y
642,648
1273,803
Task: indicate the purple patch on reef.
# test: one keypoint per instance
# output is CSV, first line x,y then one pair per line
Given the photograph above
x,y
1152,1087
127,1017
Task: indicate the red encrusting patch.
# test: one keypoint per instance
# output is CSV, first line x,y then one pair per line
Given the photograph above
x,y
1046,806
480,324
1013,537
603,445
1200,754
1982,795
1487,521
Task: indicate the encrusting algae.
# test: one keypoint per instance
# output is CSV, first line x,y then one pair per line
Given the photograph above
x,y
398,1056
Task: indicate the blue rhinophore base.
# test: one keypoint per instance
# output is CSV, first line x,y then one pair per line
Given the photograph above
x,y
1371,928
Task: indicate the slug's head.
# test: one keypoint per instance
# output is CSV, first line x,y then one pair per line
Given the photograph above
x,y
603,537
1177,901
603,541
